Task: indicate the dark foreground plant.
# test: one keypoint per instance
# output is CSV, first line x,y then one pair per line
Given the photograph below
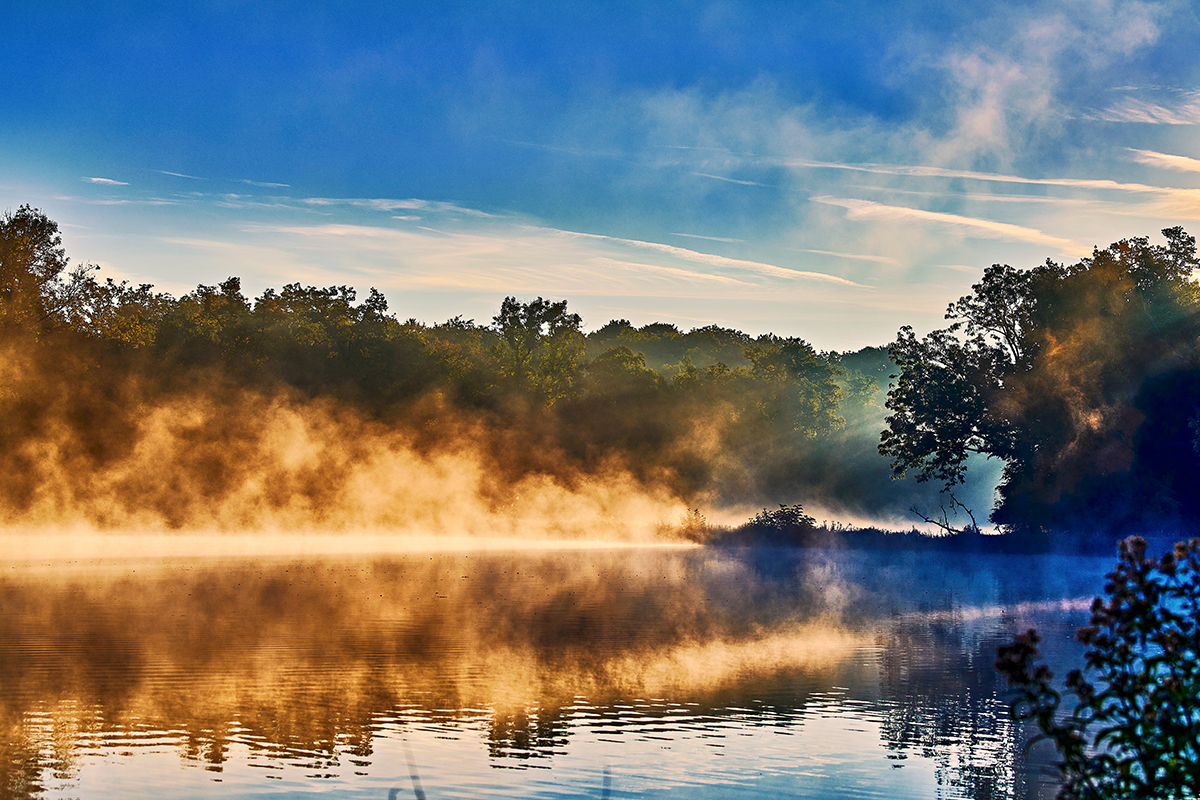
x,y
1134,728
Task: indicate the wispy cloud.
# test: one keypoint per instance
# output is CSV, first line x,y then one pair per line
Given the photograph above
x,y
709,238
993,177
730,180
724,262
116,201
1184,111
855,256
387,205
990,229
105,181
180,175
264,184
671,272
1182,163
988,197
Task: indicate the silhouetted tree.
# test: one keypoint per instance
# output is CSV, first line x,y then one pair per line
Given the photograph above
x,y
540,346
32,263
1040,369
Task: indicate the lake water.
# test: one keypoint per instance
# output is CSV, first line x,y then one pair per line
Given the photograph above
x,y
655,673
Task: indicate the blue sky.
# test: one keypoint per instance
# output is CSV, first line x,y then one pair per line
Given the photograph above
x,y
831,170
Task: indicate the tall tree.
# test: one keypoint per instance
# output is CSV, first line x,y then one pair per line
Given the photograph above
x,y
1041,369
32,262
540,347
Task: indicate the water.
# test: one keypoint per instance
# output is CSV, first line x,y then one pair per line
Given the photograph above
x,y
534,674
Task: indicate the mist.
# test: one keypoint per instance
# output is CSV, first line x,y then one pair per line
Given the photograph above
x,y
306,410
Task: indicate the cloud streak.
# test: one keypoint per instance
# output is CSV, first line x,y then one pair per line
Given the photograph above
x,y
1166,161
856,256
725,262
731,180
993,177
105,181
408,204
990,229
1185,111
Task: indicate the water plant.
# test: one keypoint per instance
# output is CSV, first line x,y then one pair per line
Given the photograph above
x,y
1129,723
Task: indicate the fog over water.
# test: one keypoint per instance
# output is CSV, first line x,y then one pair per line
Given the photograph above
x,y
542,673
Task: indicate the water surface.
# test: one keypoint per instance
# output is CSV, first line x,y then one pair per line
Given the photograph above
x,y
535,673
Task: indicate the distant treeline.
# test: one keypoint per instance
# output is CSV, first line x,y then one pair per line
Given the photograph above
x,y
712,416
1083,379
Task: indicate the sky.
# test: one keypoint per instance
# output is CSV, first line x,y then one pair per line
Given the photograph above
x,y
831,169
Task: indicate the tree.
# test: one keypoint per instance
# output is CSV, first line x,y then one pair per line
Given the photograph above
x,y
1040,369
540,347
211,325
940,404
1134,728
115,312
799,385
32,260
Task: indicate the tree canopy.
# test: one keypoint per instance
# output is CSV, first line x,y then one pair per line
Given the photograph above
x,y
711,414
1083,379
1045,369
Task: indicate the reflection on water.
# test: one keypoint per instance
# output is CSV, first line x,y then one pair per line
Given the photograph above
x,y
534,674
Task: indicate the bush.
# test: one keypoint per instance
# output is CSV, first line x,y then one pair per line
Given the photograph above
x,y
788,519
1134,730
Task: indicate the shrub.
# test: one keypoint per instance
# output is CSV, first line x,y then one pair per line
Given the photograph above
x,y
788,519
1134,730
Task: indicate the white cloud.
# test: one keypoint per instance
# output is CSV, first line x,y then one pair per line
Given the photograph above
x,y
917,171
264,184
105,181
724,262
856,256
671,272
1182,111
989,229
709,238
386,205
731,180
1182,163
1012,85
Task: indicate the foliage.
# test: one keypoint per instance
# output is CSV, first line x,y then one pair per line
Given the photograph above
x,y
540,346
786,516
709,414
1042,369
1134,728
805,395
1051,370
785,519
32,259
694,527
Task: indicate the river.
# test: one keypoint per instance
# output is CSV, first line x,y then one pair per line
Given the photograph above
x,y
534,672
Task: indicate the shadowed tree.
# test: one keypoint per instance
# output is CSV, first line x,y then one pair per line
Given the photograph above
x,y
1040,369
32,262
540,347
797,386
212,325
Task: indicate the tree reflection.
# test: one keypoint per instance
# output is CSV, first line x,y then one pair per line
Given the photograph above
x,y
307,663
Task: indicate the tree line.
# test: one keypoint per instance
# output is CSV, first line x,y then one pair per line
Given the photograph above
x,y
1082,380
712,415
